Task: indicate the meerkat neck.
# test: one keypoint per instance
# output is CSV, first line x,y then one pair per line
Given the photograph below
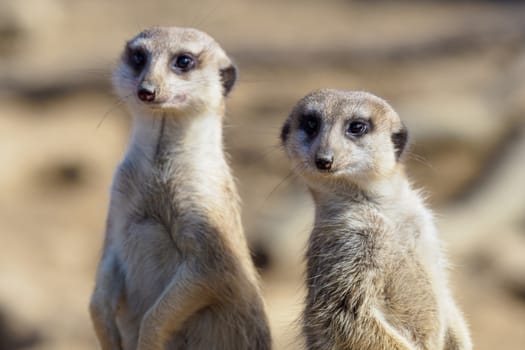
x,y
184,153
157,137
393,188
385,190
186,157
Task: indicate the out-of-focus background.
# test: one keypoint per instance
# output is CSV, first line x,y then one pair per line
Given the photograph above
x,y
454,70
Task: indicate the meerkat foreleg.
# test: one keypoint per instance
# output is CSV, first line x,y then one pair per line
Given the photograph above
x,y
184,296
372,326
104,302
387,335
457,336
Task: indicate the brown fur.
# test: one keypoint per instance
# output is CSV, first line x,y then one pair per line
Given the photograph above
x,y
176,271
376,275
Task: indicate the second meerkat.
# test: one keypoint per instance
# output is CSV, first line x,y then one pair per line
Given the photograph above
x,y
376,274
176,272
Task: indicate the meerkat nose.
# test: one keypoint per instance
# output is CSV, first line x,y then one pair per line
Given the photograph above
x,y
324,162
146,93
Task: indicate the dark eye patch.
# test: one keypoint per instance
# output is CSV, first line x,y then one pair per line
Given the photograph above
x,y
137,58
310,123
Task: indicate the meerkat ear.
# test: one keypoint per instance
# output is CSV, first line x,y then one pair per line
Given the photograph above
x,y
399,139
228,78
285,131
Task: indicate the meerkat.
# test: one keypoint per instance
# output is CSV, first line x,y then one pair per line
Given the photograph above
x,y
376,274
176,272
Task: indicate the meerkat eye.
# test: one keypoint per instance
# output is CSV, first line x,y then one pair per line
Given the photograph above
x,y
184,63
137,59
310,124
357,128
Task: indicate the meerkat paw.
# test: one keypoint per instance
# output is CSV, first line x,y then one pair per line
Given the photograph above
x,y
150,338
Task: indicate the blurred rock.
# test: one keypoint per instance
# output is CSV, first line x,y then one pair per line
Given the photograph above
x,y
10,35
34,16
497,203
466,117
512,92
13,336
23,20
452,135
63,173
499,256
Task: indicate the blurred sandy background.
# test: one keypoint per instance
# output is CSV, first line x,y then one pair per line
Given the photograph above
x,y
454,70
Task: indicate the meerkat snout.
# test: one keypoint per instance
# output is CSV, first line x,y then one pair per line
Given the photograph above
x,y
324,161
146,92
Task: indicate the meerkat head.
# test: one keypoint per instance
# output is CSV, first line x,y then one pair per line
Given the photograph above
x,y
343,136
177,70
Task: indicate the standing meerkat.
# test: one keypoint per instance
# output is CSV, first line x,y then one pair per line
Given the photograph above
x,y
176,272
376,276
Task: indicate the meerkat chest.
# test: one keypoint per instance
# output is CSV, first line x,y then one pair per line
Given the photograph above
x,y
414,225
368,235
144,220
416,240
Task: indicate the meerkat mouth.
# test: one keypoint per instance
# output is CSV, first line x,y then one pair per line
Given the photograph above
x,y
321,172
326,171
175,102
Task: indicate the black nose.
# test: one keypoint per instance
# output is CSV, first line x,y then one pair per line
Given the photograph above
x,y
146,94
324,162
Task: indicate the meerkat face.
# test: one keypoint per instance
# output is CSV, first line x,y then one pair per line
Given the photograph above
x,y
174,69
333,134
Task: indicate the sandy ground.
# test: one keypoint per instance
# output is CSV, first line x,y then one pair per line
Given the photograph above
x,y
454,71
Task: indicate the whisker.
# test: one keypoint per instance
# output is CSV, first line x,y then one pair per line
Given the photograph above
x,y
420,159
284,180
117,104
